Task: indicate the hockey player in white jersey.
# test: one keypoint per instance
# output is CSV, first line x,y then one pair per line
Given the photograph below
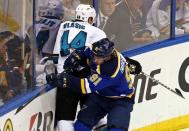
x,y
46,28
73,35
77,34
47,25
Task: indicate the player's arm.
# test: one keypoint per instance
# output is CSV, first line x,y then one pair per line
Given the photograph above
x,y
58,40
105,77
88,85
94,82
77,60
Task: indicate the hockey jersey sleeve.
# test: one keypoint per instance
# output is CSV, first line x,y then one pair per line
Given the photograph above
x,y
58,40
95,35
105,76
94,82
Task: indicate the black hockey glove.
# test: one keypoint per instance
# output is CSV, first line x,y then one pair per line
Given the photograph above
x,y
55,80
51,79
76,59
134,66
58,80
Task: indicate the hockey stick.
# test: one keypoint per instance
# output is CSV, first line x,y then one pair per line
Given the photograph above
x,y
176,91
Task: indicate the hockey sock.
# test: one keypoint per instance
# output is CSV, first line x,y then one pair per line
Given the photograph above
x,y
64,125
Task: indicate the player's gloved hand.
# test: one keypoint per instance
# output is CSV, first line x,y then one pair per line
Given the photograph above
x,y
55,80
51,79
134,66
74,60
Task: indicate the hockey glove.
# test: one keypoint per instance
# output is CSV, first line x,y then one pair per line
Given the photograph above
x,y
134,66
51,79
55,80
75,60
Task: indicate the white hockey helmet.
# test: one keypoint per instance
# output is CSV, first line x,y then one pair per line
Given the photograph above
x,y
84,12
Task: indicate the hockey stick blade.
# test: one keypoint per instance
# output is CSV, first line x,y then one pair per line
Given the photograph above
x,y
179,93
176,91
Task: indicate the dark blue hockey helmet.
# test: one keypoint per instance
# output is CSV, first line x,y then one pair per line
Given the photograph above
x,y
103,48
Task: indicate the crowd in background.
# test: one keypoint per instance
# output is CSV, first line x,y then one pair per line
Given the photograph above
x,y
133,23
15,75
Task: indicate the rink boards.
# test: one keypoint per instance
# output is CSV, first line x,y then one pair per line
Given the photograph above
x,y
37,114
156,108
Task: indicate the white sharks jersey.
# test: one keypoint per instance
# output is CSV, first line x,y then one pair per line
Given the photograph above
x,y
75,35
46,42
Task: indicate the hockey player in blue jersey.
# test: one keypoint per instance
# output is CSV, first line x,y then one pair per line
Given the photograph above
x,y
109,82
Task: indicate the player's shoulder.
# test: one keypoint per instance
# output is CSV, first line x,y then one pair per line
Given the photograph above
x,y
96,30
112,67
109,68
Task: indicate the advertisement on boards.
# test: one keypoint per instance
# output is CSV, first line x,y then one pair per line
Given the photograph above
x,y
158,107
36,115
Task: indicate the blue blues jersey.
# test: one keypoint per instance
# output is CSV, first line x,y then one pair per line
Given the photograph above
x,y
110,79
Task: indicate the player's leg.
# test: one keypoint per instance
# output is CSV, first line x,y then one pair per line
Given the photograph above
x,y
83,99
90,114
66,107
101,125
118,118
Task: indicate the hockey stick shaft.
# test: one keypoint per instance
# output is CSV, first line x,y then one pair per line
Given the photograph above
x,y
176,91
